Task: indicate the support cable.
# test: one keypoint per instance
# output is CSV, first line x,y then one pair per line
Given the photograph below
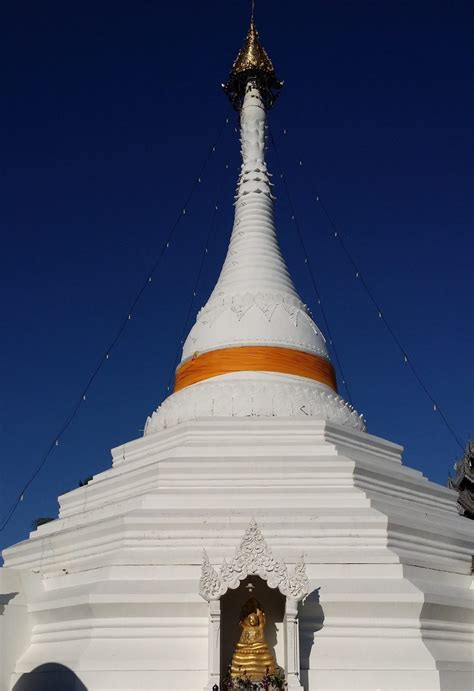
x,y
310,270
210,235
381,315
123,324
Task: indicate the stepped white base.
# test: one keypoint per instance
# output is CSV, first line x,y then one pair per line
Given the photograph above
x,y
110,590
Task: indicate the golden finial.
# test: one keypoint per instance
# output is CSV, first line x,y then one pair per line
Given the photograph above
x,y
252,63
252,55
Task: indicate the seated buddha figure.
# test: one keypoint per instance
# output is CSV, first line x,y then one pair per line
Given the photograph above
x,y
252,655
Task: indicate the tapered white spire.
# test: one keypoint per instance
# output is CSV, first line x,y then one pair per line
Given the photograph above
x,y
254,349
254,301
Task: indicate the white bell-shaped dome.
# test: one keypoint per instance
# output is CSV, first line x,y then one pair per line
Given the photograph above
x,y
253,312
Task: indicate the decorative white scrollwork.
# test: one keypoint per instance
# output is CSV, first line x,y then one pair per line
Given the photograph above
x,y
210,584
253,557
253,398
240,304
298,584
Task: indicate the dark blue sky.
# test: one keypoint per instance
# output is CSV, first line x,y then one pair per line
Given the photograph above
x,y
107,112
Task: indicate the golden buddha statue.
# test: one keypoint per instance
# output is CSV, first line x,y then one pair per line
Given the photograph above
x,y
252,655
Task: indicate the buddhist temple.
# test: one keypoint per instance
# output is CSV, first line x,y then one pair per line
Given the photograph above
x,y
463,481
256,531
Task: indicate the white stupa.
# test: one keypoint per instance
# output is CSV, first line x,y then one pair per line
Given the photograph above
x,y
254,476
254,349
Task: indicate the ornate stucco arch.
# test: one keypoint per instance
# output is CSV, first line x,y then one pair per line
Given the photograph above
x,y
253,557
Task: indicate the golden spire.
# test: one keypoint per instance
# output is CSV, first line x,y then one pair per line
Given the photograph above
x,y
252,63
252,55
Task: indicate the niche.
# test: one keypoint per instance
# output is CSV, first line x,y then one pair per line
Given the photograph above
x,y
273,604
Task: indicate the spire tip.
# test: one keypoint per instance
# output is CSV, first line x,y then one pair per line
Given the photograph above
x,y
252,64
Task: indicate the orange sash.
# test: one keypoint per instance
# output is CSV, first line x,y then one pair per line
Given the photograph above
x,y
255,359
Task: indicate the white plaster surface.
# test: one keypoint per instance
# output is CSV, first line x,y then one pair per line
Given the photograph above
x,y
254,394
110,590
387,556
254,303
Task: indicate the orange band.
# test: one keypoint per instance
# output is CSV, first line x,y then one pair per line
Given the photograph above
x,y
254,359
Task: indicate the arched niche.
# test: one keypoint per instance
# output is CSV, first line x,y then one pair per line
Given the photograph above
x,y
273,604
253,558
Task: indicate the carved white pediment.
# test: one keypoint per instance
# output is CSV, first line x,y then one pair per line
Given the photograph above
x,y
253,557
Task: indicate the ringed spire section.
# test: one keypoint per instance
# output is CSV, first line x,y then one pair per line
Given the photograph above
x,y
254,349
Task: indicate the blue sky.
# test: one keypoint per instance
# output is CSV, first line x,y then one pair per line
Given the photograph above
x,y
109,110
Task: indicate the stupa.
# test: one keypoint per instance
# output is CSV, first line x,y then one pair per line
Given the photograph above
x,y
254,482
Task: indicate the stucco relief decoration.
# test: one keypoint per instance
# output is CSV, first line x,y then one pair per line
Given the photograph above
x,y
253,558
241,304
298,584
210,584
247,398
